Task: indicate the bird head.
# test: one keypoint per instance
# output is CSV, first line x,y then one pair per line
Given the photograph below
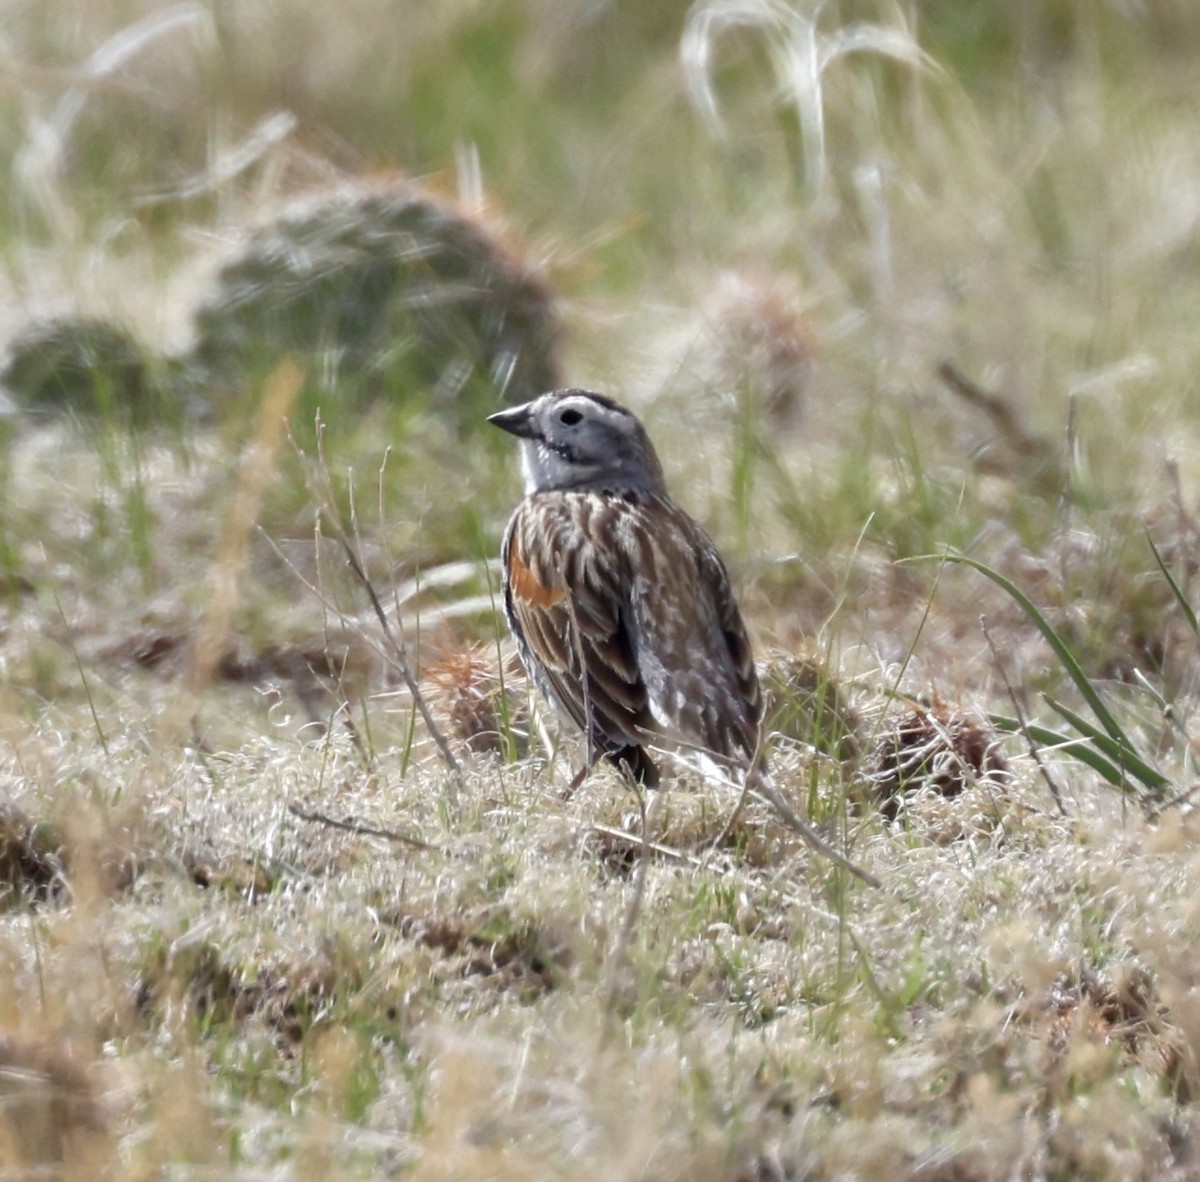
x,y
574,440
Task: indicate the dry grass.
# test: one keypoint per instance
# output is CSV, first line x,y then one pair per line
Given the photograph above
x,y
1019,993
252,924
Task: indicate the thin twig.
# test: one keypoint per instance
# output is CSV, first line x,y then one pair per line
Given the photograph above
x,y
83,678
1183,797
355,622
766,790
359,829
396,649
755,764
997,408
349,621
654,847
756,781
399,654
1022,721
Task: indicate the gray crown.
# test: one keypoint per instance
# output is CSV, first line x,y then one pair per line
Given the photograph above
x,y
573,440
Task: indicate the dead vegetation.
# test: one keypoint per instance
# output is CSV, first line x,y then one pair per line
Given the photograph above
x,y
932,749
288,885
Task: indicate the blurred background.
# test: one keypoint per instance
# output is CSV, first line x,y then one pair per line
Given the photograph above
x,y
880,276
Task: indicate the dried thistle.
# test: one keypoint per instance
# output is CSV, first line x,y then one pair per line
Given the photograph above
x,y
32,859
806,702
468,692
935,749
762,340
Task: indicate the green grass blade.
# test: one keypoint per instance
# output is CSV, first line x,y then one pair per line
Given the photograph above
x,y
1126,757
1056,642
1180,598
1074,746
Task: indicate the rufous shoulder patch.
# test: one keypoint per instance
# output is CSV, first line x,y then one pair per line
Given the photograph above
x,y
526,586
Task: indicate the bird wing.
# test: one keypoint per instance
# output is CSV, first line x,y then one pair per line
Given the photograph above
x,y
694,653
566,597
633,591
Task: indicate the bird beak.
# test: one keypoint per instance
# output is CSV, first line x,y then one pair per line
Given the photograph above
x,y
517,420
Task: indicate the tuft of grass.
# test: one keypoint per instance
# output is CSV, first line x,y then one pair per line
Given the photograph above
x,y
1106,746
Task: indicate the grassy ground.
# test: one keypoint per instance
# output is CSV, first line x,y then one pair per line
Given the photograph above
x,y
254,924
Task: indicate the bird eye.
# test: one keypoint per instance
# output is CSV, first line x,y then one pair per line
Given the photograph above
x,y
570,417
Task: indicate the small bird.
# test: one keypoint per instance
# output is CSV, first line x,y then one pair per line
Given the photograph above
x,y
620,604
